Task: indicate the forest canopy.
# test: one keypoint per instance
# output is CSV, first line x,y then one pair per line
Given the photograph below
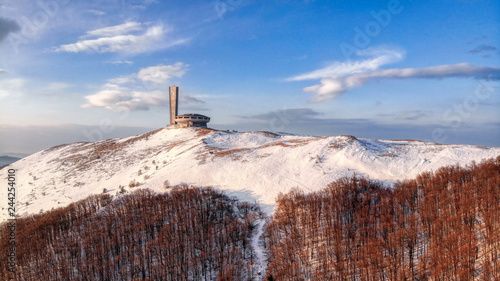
x,y
185,234
440,225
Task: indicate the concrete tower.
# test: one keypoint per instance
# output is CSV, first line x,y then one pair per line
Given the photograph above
x,y
174,97
184,120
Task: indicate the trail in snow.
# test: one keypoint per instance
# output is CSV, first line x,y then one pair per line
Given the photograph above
x,y
259,250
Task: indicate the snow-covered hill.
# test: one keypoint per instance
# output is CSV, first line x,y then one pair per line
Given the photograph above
x,y
254,166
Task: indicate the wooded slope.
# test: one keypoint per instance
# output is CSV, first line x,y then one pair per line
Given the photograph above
x,y
185,234
439,226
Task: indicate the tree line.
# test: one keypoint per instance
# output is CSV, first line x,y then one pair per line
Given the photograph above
x,y
442,225
438,226
185,234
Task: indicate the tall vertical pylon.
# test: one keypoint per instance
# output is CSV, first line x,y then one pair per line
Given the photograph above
x,y
174,96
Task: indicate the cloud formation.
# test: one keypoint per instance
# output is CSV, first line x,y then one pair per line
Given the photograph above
x,y
115,30
407,115
139,91
331,88
483,49
126,99
378,58
338,78
161,73
10,87
130,37
7,26
285,115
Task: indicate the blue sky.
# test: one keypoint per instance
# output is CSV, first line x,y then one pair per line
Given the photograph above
x,y
86,70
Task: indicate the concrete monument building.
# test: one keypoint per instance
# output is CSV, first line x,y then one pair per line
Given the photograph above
x,y
192,120
184,120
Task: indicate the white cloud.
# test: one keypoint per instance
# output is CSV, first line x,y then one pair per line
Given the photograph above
x,y
336,69
162,73
130,37
120,80
10,87
338,78
105,98
331,88
120,29
120,43
126,99
138,91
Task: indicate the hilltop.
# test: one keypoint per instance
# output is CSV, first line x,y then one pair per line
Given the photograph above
x,y
254,166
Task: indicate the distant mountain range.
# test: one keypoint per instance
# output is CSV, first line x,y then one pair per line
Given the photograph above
x,y
6,160
254,166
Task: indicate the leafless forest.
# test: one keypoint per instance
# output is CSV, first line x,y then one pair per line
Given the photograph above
x,y
185,234
438,226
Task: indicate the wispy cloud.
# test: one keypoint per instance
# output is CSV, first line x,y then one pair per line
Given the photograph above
x,y
331,88
378,58
161,73
338,78
130,37
187,99
96,12
125,99
407,115
285,115
120,62
116,30
142,4
149,2
139,91
7,26
483,49
10,87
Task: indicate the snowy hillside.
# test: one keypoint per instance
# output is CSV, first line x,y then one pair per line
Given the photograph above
x,y
254,166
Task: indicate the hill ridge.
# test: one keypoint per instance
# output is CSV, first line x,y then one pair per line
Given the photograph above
x,y
255,166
